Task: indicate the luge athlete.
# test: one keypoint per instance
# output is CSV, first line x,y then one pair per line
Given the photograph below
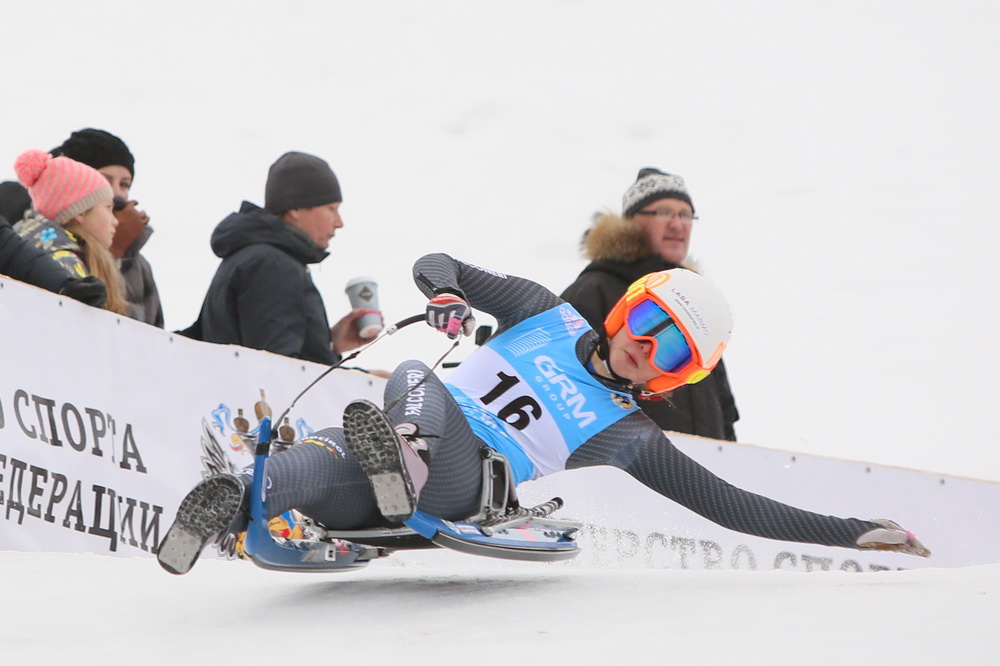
x,y
547,392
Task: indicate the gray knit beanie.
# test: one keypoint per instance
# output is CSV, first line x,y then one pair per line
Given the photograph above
x,y
300,180
652,185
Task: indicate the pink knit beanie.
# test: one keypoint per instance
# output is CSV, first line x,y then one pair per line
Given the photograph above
x,y
60,188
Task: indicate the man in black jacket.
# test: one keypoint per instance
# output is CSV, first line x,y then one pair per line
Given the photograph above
x,y
262,295
652,234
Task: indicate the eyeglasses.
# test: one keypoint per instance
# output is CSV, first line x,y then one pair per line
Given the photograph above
x,y
684,216
671,351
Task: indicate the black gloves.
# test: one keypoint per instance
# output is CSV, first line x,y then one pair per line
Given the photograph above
x,y
87,290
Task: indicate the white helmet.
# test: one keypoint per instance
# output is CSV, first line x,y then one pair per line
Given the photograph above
x,y
685,318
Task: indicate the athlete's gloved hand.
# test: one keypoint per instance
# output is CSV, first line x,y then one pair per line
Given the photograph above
x,y
450,314
892,537
89,290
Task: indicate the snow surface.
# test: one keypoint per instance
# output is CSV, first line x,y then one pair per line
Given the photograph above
x,y
88,609
841,156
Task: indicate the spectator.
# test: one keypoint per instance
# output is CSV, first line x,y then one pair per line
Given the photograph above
x,y
262,295
71,218
111,157
23,261
652,234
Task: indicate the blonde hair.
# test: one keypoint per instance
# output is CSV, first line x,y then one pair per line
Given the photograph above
x,y
101,265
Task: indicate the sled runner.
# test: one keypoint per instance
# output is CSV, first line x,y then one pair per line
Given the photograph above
x,y
503,529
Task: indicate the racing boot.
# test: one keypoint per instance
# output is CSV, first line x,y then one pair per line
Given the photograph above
x,y
394,463
215,507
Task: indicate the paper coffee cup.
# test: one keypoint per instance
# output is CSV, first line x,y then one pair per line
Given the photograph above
x,y
363,293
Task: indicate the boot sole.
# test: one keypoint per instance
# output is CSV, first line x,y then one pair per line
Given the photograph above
x,y
203,514
374,443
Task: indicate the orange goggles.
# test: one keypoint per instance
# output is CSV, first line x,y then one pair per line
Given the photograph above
x,y
673,355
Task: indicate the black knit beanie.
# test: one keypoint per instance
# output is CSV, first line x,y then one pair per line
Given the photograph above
x,y
652,185
300,180
96,148
14,201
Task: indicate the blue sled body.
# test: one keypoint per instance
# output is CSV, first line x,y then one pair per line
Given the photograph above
x,y
531,538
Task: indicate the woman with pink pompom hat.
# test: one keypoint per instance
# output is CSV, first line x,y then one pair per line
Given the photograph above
x,y
72,218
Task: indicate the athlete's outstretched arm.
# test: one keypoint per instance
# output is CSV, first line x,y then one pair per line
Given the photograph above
x,y
508,298
637,446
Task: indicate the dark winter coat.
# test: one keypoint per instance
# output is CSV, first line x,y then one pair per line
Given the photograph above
x,y
61,246
620,254
21,260
140,288
262,295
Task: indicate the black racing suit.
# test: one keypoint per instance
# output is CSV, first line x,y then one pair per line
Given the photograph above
x,y
320,478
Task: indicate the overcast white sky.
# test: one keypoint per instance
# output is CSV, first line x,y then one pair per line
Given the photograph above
x,y
842,159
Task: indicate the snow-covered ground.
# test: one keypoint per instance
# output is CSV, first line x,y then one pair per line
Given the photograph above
x,y
87,609
842,158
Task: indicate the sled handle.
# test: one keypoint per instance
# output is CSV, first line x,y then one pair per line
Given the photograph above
x,y
403,323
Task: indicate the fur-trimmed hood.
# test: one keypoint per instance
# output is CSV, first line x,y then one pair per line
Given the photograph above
x,y
615,239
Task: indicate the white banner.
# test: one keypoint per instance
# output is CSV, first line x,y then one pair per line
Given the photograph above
x,y
630,526
106,423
